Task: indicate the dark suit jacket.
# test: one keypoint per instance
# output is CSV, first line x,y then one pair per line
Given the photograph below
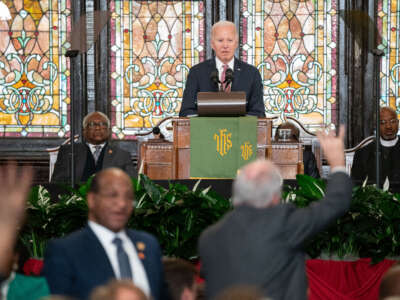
x,y
364,163
263,246
246,79
113,157
76,264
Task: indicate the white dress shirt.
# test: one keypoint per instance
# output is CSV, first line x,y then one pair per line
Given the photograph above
x,y
106,237
92,147
220,66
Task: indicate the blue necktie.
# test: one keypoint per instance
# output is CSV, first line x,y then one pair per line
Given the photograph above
x,y
123,260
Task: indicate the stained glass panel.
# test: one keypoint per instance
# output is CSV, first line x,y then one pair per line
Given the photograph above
x,y
153,46
389,27
34,75
293,44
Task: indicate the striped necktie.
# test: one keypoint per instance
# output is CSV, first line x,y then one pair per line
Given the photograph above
x,y
96,153
225,86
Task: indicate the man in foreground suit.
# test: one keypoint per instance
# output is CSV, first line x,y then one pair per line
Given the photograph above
x,y
224,42
260,242
364,162
95,154
105,249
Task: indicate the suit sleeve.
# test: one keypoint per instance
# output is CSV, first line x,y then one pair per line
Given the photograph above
x,y
61,168
305,222
256,100
56,269
189,106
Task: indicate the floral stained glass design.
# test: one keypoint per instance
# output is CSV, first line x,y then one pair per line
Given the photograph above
x,y
34,75
153,46
293,44
388,17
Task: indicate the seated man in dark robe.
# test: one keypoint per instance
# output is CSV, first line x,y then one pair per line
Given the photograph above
x,y
309,161
364,163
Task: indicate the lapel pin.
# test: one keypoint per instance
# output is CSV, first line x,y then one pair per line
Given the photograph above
x,y
141,246
141,255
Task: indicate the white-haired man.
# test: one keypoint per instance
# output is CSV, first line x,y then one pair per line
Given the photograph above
x,y
260,242
93,155
224,42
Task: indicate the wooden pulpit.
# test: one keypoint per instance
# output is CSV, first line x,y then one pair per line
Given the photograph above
x,y
161,159
181,127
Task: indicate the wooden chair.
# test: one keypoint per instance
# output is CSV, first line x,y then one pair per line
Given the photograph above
x,y
309,138
349,153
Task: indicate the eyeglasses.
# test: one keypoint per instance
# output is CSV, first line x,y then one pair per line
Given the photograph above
x,y
391,122
97,124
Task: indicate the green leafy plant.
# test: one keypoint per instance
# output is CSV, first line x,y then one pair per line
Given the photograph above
x,y
369,229
177,216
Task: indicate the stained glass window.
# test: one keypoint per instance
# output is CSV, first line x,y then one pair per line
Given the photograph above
x,y
388,24
293,44
153,46
34,75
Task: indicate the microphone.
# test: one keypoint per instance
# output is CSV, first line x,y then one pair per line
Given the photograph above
x,y
228,77
215,77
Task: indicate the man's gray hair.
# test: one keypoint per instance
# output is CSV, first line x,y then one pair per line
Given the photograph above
x,y
257,184
86,118
223,23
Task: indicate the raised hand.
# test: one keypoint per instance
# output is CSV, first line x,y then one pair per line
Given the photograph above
x,y
333,146
14,188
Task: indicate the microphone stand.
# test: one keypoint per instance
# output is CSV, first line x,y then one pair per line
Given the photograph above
x,y
377,57
72,54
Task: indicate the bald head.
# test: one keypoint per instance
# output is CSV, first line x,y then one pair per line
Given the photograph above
x,y
110,199
258,184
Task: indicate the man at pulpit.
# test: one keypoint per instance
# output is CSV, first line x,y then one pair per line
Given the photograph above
x,y
246,78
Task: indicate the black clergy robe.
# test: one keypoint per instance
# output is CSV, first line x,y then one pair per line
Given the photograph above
x,y
364,163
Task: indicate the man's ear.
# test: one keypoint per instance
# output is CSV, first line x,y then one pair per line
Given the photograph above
x,y
90,200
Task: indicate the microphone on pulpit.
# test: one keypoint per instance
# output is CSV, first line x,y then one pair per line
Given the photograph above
x,y
228,79
215,77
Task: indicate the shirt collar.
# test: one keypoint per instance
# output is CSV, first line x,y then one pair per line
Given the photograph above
x,y
390,143
92,146
219,64
103,233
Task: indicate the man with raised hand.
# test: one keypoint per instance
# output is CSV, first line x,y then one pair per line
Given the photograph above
x,y
260,243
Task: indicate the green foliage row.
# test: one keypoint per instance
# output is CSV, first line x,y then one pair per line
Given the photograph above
x,y
177,216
